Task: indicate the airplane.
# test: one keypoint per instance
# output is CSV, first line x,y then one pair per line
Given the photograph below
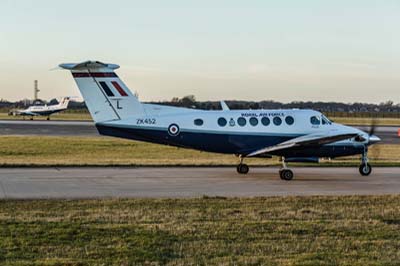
x,y
44,110
294,135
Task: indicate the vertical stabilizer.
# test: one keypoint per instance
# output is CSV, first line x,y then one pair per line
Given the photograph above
x,y
63,104
105,95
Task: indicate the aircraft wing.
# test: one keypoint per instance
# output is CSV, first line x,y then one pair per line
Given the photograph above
x,y
314,139
26,113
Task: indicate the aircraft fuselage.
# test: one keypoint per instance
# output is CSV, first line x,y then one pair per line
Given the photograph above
x,y
234,132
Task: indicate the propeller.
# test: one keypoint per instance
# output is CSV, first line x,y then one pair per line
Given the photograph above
x,y
372,127
372,139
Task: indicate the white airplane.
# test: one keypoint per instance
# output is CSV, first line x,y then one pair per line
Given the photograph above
x,y
294,135
44,110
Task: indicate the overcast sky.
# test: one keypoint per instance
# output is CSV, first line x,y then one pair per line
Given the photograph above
x,y
342,50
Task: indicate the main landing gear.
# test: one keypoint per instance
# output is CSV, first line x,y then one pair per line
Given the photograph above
x,y
285,173
242,168
365,168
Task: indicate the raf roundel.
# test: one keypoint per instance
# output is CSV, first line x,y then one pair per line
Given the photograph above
x,y
173,129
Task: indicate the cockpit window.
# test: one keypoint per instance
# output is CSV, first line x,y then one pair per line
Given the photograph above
x,y
325,120
315,120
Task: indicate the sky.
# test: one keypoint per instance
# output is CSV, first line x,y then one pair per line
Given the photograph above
x,y
287,50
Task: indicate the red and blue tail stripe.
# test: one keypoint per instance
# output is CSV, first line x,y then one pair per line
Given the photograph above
x,y
107,90
119,88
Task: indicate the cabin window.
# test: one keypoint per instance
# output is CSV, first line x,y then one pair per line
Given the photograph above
x,y
241,121
222,122
315,120
198,122
265,121
277,121
253,121
289,120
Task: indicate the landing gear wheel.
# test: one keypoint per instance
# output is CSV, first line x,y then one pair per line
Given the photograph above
x,y
365,169
286,174
48,118
242,168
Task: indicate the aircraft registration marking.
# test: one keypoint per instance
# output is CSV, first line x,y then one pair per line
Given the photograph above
x,y
146,121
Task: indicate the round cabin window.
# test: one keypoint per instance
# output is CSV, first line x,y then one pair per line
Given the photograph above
x,y
222,122
277,121
253,121
289,120
241,121
265,121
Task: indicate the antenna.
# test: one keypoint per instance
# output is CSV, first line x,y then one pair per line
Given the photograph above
x,y
35,90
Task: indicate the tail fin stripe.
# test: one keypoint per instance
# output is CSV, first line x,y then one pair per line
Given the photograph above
x,y
95,75
106,89
119,88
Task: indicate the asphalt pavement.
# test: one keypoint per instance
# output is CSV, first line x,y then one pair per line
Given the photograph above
x,y
179,182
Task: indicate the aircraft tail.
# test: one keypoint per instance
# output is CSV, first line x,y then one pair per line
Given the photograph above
x,y
63,104
105,95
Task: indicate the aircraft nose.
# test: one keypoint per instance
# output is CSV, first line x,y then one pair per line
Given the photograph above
x,y
374,139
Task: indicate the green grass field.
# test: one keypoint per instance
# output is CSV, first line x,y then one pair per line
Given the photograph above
x,y
80,151
352,230
342,120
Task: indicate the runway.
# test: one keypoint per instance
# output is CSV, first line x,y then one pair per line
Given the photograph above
x,y
72,183
388,134
47,128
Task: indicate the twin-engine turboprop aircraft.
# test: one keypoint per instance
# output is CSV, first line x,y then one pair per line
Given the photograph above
x,y
44,110
294,135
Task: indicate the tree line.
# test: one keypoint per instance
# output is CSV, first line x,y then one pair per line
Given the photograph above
x,y
389,108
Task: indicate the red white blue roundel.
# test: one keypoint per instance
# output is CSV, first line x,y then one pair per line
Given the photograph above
x,y
173,129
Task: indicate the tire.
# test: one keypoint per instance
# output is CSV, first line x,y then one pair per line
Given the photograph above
x,y
242,168
365,169
286,174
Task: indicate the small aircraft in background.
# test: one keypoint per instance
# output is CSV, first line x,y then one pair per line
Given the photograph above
x,y
294,135
43,110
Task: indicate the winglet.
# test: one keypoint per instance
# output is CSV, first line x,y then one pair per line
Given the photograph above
x,y
224,106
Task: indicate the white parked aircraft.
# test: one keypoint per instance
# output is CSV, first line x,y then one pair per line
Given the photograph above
x,y
294,135
44,110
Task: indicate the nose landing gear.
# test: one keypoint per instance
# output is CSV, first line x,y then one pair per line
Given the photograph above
x,y
365,168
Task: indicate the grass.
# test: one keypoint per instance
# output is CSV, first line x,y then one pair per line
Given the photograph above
x,y
86,117
351,230
81,151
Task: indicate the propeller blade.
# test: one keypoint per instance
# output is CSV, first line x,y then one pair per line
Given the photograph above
x,y
372,127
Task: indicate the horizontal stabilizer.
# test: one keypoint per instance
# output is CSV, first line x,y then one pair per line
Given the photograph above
x,y
88,65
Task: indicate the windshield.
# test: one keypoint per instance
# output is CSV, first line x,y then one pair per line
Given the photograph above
x,y
326,121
